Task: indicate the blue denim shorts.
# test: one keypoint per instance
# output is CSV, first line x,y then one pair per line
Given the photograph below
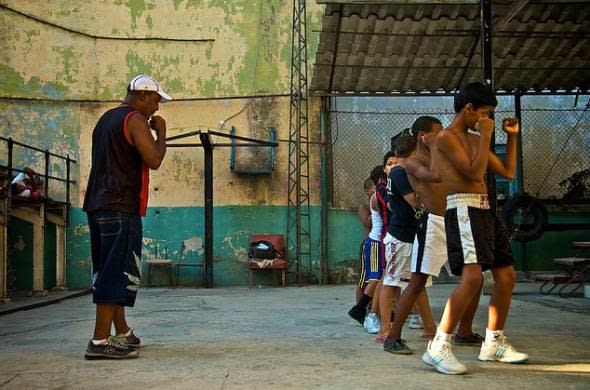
x,y
115,240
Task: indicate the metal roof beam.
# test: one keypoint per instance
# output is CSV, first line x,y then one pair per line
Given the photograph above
x,y
441,2
442,93
386,2
552,68
471,33
511,12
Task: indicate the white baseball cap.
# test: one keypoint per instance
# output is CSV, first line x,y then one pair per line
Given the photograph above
x,y
147,83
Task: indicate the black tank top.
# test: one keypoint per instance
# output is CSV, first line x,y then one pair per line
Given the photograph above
x,y
115,181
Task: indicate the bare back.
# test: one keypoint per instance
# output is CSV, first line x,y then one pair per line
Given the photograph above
x,y
431,194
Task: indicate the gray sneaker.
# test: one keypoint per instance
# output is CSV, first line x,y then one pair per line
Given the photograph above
x,y
131,341
372,323
399,347
110,350
416,321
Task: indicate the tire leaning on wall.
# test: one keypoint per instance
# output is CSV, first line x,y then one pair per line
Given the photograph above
x,y
531,206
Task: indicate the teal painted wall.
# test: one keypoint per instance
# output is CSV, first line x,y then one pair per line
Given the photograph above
x,y
345,234
20,242
539,254
20,254
171,226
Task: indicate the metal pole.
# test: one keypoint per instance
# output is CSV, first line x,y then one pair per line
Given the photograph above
x,y
46,190
9,197
324,194
522,246
46,173
208,149
519,155
488,79
68,173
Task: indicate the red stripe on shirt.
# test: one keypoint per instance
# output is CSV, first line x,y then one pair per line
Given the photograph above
x,y
126,131
143,195
384,213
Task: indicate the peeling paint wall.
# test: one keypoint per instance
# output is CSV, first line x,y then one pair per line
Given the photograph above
x,y
250,54
54,85
180,179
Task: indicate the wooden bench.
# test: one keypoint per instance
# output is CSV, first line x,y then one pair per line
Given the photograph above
x,y
575,272
554,279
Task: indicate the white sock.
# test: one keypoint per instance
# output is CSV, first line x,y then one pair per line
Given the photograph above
x,y
125,334
493,335
440,338
99,342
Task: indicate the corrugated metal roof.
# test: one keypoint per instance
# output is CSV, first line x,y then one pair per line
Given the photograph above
x,y
401,46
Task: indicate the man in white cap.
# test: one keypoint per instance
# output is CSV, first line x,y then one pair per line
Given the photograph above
x,y
123,152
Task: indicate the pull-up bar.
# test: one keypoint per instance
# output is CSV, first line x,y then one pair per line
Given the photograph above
x,y
208,146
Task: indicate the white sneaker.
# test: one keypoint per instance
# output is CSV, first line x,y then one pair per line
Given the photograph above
x,y
372,323
416,321
501,351
443,360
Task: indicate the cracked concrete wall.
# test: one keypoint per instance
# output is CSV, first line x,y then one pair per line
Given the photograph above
x,y
54,85
250,55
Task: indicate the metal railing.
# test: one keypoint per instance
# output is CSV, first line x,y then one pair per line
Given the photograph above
x,y
47,157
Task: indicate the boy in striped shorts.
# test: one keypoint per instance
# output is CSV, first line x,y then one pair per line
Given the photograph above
x,y
476,238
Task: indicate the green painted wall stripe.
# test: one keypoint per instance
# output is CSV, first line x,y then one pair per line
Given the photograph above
x,y
170,227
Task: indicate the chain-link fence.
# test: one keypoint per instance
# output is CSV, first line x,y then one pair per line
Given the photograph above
x,y
555,146
362,128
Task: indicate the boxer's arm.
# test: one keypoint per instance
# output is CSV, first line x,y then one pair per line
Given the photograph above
x,y
506,168
152,150
420,171
449,145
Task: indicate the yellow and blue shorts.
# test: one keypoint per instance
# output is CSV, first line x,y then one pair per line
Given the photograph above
x,y
371,262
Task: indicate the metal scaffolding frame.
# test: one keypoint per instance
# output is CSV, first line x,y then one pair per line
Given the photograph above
x,y
298,208
208,146
487,75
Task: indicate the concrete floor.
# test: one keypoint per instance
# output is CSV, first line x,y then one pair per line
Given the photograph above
x,y
299,338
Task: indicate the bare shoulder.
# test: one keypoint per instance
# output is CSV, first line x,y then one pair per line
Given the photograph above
x,y
137,120
414,163
446,137
411,160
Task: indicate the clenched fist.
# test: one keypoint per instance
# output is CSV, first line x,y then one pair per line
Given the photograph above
x,y
510,125
485,126
159,125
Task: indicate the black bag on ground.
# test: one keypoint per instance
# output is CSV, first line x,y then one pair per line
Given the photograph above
x,y
262,250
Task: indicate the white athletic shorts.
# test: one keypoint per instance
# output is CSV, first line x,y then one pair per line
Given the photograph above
x,y
399,256
429,254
